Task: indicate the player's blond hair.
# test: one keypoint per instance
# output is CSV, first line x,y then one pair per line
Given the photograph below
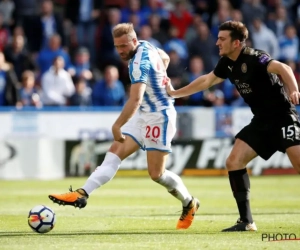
x,y
124,29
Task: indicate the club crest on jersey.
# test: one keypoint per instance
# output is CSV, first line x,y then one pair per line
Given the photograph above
x,y
244,67
136,73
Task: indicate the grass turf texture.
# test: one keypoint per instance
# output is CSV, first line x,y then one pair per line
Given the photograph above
x,y
136,213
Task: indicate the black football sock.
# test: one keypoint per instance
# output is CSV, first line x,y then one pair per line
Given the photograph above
x,y
240,186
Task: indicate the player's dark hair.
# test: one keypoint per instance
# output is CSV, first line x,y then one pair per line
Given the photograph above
x,y
238,31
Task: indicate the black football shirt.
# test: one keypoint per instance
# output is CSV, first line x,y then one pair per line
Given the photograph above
x,y
261,90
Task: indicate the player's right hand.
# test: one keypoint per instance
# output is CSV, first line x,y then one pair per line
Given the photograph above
x,y
117,133
169,88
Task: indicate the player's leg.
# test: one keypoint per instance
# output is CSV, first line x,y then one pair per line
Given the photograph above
x,y
289,133
102,174
239,157
294,156
254,139
107,170
158,131
173,183
112,161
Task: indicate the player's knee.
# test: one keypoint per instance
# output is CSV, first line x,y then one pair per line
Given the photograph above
x,y
117,148
232,163
154,174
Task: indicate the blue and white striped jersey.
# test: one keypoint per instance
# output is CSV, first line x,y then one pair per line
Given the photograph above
x,y
147,67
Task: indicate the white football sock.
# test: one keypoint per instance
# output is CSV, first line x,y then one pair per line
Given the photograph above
x,y
103,173
175,186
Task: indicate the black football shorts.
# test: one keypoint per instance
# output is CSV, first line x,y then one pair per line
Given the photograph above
x,y
266,137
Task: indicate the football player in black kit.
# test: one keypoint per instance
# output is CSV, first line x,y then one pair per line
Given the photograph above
x,y
275,125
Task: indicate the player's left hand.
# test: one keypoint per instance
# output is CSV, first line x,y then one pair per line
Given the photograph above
x,y
295,96
118,136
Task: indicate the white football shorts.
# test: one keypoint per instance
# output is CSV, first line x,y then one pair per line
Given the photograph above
x,y
152,130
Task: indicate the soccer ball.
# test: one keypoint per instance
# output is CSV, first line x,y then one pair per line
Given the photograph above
x,y
41,219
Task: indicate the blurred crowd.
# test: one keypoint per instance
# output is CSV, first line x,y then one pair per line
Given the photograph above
x,y
61,52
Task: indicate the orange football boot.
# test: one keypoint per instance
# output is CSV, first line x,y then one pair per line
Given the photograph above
x,y
188,214
77,198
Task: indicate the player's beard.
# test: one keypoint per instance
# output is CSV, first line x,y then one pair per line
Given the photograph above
x,y
128,56
124,57
132,53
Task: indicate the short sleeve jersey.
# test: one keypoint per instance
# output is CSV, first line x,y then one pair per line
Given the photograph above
x,y
147,67
261,90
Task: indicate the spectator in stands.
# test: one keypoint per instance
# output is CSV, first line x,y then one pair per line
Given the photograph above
x,y
252,9
114,3
57,84
109,91
133,7
204,46
145,33
4,34
289,44
81,67
181,18
83,93
208,98
24,9
223,14
279,22
84,15
18,30
191,32
202,8
219,98
29,94
177,44
107,52
237,100
43,26
293,66
196,69
236,15
176,69
9,85
157,32
7,8
176,72
227,88
153,7
46,56
214,97
263,38
297,17
136,21
17,55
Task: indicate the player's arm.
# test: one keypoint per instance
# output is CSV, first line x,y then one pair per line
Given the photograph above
x,y
165,57
201,83
133,103
288,78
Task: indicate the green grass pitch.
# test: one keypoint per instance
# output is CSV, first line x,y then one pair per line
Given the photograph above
x,y
136,213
